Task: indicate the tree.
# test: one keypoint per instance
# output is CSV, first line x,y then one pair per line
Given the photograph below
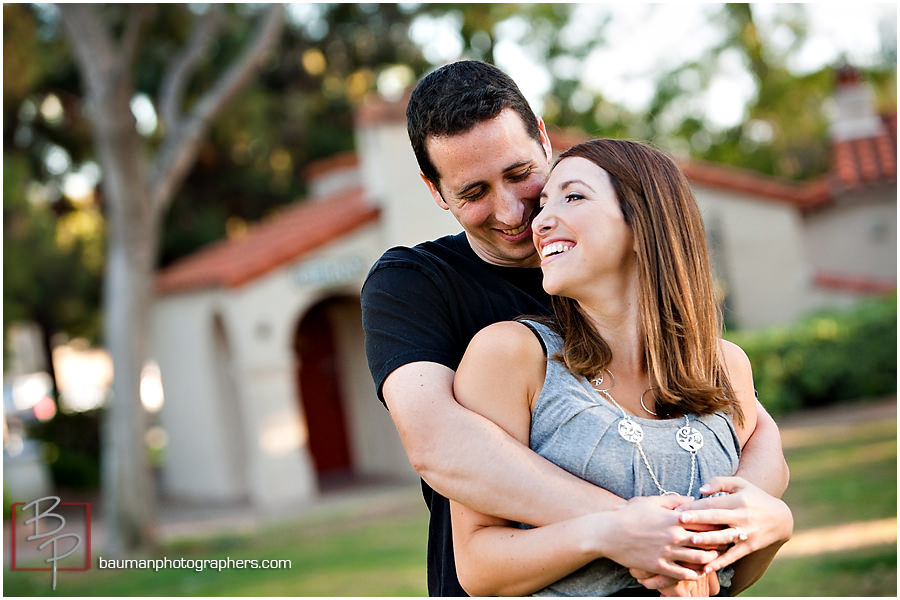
x,y
138,186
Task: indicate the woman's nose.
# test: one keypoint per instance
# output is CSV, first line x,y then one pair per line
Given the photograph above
x,y
543,222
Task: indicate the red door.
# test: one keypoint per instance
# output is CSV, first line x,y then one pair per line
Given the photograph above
x,y
320,393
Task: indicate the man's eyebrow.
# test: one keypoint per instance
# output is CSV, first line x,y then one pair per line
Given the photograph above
x,y
467,188
470,186
517,165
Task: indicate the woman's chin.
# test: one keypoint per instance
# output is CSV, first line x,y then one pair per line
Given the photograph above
x,y
554,288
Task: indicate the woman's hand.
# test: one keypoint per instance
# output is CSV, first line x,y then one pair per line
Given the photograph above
x,y
753,519
645,533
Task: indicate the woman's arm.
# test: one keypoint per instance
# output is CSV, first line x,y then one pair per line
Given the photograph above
x,y
496,558
500,377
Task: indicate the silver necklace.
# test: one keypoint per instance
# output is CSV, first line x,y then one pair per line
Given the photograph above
x,y
688,439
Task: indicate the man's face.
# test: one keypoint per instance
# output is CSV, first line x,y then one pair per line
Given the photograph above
x,y
490,180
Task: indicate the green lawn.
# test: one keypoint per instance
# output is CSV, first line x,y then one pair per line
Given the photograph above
x,y
839,474
339,554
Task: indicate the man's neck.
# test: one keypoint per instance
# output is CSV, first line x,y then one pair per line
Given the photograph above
x,y
531,261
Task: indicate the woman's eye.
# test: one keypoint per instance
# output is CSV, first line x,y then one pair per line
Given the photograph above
x,y
572,197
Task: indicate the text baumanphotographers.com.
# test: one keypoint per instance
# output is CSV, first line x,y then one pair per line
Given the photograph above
x,y
196,564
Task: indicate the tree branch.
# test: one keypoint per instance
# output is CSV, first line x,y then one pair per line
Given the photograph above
x,y
181,69
94,48
137,16
179,148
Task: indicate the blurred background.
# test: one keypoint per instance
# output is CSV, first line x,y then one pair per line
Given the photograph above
x,y
193,195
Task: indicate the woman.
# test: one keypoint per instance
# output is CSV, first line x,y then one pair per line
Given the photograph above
x,y
629,386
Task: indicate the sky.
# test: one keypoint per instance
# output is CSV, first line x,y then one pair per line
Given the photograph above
x,y
645,40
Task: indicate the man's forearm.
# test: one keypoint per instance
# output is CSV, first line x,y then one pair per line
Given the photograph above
x,y
762,459
489,471
466,457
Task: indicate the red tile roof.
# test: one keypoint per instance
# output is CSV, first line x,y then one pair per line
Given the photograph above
x,y
860,162
855,283
284,237
342,160
230,263
804,195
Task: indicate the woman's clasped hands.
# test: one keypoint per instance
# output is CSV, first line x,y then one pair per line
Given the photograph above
x,y
734,520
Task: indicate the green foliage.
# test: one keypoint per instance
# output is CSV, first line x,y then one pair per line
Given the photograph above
x,y
71,447
51,264
829,357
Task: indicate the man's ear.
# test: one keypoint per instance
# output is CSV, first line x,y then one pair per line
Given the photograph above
x,y
435,193
545,140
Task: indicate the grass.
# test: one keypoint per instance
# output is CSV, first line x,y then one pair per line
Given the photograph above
x,y
338,554
839,474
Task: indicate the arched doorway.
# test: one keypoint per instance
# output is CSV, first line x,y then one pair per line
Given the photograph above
x,y
232,420
321,399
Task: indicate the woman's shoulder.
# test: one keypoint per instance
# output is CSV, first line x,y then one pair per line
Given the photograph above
x,y
500,374
507,340
734,357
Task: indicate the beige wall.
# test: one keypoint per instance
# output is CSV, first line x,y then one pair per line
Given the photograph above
x,y
255,446
761,256
183,347
857,236
391,175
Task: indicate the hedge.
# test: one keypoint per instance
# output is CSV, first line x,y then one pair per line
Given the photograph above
x,y
831,356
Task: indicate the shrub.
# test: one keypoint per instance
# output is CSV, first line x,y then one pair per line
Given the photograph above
x,y
71,447
831,356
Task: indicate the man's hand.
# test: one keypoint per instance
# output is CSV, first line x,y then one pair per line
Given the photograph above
x,y
707,585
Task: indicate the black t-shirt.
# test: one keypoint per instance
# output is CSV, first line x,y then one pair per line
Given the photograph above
x,y
425,304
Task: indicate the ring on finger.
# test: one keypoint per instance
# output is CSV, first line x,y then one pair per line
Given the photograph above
x,y
741,535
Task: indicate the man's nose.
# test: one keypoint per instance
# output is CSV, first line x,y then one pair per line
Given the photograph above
x,y
510,208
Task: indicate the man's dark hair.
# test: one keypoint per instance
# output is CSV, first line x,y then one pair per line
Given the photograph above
x,y
454,98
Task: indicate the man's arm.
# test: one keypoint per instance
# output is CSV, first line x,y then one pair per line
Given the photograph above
x,y
762,459
468,458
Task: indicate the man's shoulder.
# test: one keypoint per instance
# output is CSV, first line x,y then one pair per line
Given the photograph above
x,y
442,253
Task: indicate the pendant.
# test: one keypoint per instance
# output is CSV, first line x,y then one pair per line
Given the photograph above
x,y
631,431
689,439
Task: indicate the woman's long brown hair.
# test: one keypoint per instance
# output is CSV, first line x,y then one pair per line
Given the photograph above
x,y
679,315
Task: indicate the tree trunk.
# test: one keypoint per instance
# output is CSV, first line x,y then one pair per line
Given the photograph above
x,y
137,200
128,491
133,229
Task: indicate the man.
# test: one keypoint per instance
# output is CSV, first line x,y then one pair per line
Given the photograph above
x,y
484,156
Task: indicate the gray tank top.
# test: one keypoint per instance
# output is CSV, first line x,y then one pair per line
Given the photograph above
x,y
576,428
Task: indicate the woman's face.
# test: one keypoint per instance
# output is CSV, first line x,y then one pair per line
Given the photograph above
x,y
580,233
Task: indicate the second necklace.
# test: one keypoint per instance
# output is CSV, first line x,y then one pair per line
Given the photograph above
x,y
688,438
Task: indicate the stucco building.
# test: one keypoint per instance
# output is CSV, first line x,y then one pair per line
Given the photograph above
x,y
259,338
